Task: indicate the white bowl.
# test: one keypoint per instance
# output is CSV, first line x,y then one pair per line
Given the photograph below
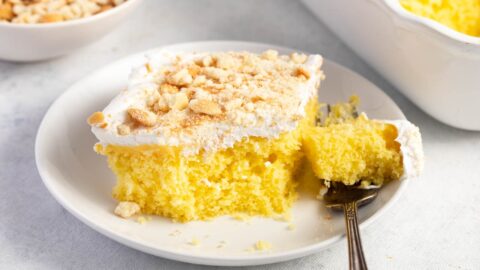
x,y
436,67
33,42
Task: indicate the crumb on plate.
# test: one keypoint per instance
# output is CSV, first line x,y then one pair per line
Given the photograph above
x,y
126,209
194,242
262,245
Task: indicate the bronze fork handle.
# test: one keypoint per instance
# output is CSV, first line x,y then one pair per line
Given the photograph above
x,y
355,251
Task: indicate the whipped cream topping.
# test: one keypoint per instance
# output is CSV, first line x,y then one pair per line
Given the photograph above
x,y
410,141
293,79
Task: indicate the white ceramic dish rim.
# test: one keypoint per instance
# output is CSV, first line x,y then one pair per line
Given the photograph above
x,y
445,31
185,256
75,22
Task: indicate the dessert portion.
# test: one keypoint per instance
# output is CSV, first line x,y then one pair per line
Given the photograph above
x,y
200,135
461,15
349,148
50,11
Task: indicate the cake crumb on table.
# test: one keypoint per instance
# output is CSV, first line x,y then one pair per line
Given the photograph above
x,y
291,227
126,209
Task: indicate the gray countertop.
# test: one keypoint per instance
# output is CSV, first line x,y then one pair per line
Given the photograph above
x,y
435,225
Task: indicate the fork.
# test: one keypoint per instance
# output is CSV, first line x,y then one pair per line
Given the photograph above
x,y
349,199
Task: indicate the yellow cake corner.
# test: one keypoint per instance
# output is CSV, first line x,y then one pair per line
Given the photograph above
x,y
255,176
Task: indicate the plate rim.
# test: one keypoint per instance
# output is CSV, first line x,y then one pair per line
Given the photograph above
x,y
186,256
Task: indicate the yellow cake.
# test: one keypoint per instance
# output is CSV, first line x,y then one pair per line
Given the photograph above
x,y
345,146
461,15
200,135
355,150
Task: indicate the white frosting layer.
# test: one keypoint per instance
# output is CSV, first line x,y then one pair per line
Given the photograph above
x,y
211,135
411,148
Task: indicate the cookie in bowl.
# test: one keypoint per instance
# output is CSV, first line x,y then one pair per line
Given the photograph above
x,y
52,11
43,29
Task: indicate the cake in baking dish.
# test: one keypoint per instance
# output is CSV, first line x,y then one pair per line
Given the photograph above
x,y
200,135
460,15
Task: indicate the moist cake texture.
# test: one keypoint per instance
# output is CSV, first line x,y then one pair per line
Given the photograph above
x,y
347,147
355,150
196,136
200,135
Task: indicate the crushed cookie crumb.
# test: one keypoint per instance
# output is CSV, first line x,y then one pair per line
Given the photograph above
x,y
229,88
49,11
241,216
142,117
298,58
126,209
262,245
148,67
206,61
123,129
161,105
50,18
6,11
270,54
168,88
104,8
194,242
96,119
302,72
249,107
205,106
142,220
178,101
180,78
216,74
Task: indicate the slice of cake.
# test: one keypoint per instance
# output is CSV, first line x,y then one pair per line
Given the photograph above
x,y
349,148
200,135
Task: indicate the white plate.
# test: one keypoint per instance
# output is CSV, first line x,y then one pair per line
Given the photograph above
x,y
81,182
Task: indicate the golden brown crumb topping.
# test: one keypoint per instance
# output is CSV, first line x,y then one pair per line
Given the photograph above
x,y
126,209
235,88
97,119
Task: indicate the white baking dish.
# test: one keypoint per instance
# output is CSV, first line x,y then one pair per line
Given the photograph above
x,y
434,66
